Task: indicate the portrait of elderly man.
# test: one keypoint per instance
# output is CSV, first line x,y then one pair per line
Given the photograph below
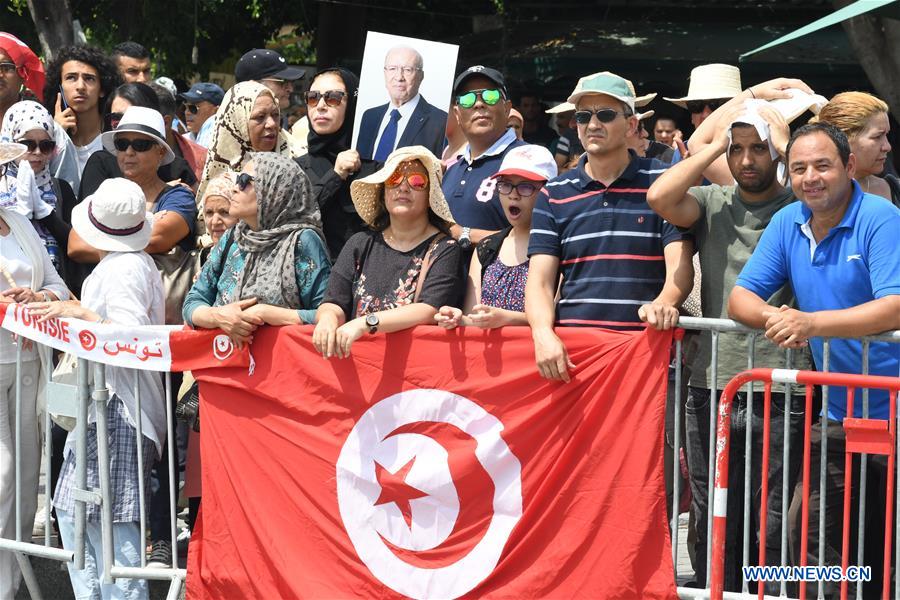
x,y
407,120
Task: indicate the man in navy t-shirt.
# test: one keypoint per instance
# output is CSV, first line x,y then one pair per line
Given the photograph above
x,y
621,263
481,104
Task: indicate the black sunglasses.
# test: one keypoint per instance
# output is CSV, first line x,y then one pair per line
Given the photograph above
x,y
697,106
46,146
604,115
112,120
122,144
191,108
332,98
243,180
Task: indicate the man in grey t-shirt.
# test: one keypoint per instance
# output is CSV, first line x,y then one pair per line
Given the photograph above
x,y
728,222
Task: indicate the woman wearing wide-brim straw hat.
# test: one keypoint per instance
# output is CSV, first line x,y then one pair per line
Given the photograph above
x,y
404,267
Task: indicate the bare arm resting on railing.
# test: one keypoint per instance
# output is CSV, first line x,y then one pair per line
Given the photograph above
x,y
549,352
662,313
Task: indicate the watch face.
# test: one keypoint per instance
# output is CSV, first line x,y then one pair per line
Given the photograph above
x,y
371,320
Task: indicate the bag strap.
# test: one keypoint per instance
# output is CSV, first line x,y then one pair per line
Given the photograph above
x,y
426,264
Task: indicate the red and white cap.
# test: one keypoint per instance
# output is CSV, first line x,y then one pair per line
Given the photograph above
x,y
532,162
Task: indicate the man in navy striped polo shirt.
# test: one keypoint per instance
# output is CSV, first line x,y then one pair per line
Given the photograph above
x,y
621,263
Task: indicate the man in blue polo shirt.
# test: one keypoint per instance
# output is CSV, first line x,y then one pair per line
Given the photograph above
x,y
838,250
481,104
621,262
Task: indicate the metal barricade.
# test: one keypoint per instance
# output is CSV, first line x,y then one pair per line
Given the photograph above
x,y
74,401
717,327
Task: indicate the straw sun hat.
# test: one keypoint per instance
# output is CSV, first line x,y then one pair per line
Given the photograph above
x,y
368,193
10,151
711,82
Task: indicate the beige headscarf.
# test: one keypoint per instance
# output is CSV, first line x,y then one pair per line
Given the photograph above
x,y
230,147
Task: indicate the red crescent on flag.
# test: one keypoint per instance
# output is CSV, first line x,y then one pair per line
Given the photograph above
x,y
475,490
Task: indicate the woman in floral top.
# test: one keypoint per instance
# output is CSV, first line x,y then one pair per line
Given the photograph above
x,y
395,275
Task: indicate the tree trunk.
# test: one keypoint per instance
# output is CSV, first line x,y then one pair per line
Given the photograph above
x,y
53,20
876,42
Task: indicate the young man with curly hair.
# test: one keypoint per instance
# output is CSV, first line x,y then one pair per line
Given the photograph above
x,y
78,81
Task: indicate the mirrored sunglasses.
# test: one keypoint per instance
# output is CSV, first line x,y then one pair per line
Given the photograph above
x,y
332,98
488,96
417,181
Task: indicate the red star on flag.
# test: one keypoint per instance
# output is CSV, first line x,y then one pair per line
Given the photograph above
x,y
395,489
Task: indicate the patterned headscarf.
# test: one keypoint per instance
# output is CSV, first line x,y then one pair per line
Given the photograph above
x,y
285,207
28,192
230,147
220,185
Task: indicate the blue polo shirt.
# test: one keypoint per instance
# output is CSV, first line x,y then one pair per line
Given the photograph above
x,y
609,243
469,189
857,262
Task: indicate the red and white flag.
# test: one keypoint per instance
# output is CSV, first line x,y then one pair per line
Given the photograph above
x,y
149,348
435,464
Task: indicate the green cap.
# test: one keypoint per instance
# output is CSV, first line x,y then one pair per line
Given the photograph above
x,y
605,83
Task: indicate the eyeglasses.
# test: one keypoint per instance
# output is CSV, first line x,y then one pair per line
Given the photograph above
x,y
191,108
332,98
112,120
45,146
604,115
417,181
243,180
8,68
392,70
488,96
697,106
123,144
524,189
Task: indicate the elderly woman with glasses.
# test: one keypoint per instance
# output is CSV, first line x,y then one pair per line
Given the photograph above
x,y
272,267
331,165
396,274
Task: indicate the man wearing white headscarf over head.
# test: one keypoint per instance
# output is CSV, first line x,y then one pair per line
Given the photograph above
x,y
728,222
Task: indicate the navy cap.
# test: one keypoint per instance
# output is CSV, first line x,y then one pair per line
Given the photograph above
x,y
492,74
265,64
203,91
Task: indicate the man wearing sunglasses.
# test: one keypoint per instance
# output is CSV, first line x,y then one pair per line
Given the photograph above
x,y
481,106
200,105
621,264
407,119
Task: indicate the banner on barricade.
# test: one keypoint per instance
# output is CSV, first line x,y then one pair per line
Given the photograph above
x,y
149,348
435,464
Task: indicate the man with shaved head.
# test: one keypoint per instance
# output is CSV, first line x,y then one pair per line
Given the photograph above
x,y
407,119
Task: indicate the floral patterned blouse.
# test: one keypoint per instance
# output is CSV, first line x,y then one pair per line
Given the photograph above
x,y
370,276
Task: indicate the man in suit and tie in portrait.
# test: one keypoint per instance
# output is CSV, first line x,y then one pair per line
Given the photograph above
x,y
407,120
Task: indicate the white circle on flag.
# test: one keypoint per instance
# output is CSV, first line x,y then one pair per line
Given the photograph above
x,y
222,347
434,515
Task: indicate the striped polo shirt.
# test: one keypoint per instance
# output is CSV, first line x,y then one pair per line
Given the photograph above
x,y
609,243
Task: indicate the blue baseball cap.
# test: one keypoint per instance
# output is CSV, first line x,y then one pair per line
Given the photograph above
x,y
204,92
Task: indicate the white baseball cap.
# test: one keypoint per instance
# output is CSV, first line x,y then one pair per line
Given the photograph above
x,y
533,162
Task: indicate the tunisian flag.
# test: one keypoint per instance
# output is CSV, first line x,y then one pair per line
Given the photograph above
x,y
435,464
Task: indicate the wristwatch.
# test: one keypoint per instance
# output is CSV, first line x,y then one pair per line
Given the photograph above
x,y
464,241
372,322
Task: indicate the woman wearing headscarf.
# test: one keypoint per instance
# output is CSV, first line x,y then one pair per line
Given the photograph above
x,y
27,276
28,187
400,271
329,162
273,266
248,120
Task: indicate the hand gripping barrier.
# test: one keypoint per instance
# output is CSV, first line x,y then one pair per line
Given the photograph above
x,y
863,436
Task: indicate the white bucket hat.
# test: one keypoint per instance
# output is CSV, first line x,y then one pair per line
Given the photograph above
x,y
139,119
711,82
368,193
531,161
115,217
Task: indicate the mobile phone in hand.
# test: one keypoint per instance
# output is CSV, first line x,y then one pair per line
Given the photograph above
x,y
62,99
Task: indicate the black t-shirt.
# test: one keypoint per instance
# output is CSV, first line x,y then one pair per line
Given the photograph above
x,y
370,276
102,165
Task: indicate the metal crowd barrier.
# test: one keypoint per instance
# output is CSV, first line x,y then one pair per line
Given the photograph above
x,y
73,401
716,408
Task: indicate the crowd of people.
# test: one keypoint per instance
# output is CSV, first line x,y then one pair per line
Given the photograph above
x,y
124,201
